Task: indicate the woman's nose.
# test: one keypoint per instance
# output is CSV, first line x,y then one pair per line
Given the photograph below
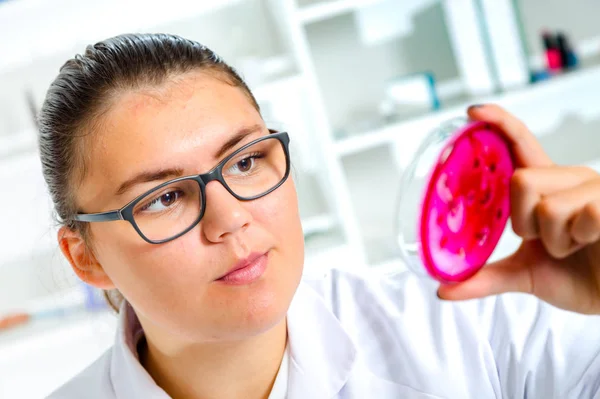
x,y
224,213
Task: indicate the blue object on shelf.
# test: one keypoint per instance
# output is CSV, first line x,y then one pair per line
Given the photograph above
x,y
572,59
435,100
538,76
94,300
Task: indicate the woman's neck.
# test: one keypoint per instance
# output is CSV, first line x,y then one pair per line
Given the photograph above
x,y
241,369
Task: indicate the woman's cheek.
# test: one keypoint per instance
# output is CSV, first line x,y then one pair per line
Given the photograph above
x,y
280,208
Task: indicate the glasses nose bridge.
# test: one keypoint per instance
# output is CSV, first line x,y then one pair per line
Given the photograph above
x,y
213,175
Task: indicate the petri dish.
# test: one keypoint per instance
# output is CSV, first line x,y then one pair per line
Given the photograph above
x,y
454,200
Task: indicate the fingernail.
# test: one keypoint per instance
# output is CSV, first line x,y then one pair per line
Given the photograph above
x,y
476,106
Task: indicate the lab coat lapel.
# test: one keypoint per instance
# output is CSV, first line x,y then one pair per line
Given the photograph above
x,y
322,353
364,384
325,363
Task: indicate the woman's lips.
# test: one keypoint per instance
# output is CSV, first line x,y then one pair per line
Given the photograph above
x,y
247,270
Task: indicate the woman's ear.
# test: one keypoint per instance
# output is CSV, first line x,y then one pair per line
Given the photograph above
x,y
82,259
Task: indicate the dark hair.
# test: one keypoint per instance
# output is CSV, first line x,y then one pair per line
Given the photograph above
x,y
83,91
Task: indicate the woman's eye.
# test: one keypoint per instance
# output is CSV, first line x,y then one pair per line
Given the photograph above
x,y
163,202
245,164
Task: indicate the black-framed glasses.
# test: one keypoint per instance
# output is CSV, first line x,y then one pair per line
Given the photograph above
x,y
173,208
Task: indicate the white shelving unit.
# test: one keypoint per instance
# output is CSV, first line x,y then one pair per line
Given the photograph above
x,y
327,43
541,106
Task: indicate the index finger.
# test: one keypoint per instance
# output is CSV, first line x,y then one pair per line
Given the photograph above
x,y
527,149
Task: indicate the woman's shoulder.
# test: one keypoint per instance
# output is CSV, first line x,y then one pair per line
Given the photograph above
x,y
404,302
92,383
372,285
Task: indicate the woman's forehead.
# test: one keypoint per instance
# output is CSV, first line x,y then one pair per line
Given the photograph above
x,y
196,111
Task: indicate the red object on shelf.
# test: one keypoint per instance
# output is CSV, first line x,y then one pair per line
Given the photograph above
x,y
554,59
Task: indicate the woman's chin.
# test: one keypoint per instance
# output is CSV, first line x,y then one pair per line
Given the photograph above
x,y
260,312
254,309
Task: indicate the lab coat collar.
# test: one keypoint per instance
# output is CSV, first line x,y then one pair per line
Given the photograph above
x,y
322,354
129,378
320,365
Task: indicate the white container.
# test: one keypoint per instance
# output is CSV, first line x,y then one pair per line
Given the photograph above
x,y
468,40
506,44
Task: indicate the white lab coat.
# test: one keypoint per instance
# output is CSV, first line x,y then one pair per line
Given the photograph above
x,y
367,337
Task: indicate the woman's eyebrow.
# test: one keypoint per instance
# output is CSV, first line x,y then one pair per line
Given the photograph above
x,y
171,173
148,176
237,138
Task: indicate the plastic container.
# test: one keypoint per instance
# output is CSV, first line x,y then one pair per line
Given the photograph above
x,y
454,201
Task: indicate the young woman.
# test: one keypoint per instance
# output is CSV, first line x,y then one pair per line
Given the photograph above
x,y
176,199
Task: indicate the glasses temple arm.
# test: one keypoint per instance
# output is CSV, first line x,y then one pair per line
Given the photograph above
x,y
98,217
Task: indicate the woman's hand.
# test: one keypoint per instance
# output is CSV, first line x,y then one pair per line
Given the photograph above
x,y
556,211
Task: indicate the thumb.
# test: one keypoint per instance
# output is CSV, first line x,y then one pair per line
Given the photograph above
x,y
510,274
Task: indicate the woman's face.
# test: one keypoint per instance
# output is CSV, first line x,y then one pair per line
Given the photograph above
x,y
175,287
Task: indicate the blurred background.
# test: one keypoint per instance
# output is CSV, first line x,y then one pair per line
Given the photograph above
x,y
357,83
